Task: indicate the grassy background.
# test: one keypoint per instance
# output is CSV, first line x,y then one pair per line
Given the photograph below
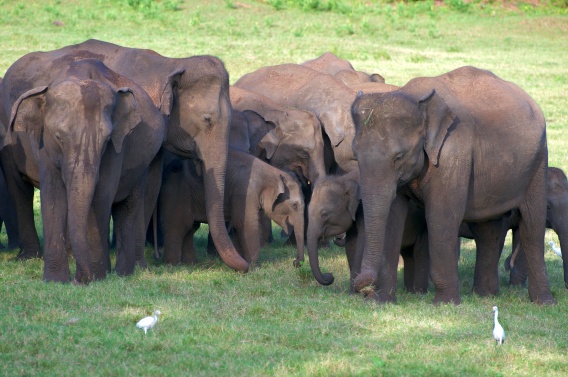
x,y
277,320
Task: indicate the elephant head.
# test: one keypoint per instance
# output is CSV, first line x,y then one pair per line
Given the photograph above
x,y
73,121
331,212
283,202
196,100
557,211
397,135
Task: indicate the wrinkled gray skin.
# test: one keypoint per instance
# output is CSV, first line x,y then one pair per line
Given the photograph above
x,y
286,138
253,188
98,134
296,86
335,209
441,141
192,93
341,69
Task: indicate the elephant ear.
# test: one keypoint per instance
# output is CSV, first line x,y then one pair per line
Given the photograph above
x,y
272,193
167,97
270,143
333,127
353,196
28,113
125,117
438,118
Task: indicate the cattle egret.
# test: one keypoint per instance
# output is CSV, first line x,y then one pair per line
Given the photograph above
x,y
498,332
148,322
556,249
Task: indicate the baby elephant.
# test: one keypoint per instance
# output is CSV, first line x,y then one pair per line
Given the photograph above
x,y
252,187
335,208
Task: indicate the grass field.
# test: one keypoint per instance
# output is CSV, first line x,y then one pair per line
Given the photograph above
x,y
277,320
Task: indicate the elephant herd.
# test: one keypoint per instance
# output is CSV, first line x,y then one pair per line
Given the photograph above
x,y
323,150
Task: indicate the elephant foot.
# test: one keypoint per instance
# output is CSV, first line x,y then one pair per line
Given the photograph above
x,y
545,299
378,296
57,279
485,292
446,299
24,254
297,263
365,279
141,263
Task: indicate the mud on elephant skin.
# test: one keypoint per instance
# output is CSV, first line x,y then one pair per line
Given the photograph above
x,y
412,140
93,135
253,188
335,209
193,95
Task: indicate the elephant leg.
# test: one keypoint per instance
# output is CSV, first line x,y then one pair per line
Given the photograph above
x,y
518,274
354,247
130,229
188,253
421,259
54,214
266,230
487,237
150,200
532,226
408,260
8,214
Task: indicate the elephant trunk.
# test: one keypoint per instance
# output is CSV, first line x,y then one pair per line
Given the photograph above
x,y
89,259
299,232
314,233
561,230
377,202
214,182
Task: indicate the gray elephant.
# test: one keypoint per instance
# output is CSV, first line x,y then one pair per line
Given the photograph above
x,y
94,135
451,142
253,188
296,86
556,219
193,96
335,209
341,69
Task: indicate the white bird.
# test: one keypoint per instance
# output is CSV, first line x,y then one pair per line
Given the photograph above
x,y
498,332
555,248
148,322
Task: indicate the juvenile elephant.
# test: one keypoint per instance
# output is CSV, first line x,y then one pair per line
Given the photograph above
x,y
286,138
341,69
296,86
253,188
94,135
451,142
335,209
191,93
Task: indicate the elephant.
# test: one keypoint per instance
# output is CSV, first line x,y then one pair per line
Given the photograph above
x,y
335,209
192,94
252,188
95,137
556,219
451,143
296,86
286,138
341,69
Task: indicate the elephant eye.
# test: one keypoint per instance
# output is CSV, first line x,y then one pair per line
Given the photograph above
x,y
295,206
324,214
303,154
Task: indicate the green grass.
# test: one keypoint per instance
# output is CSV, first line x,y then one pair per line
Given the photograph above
x,y
277,320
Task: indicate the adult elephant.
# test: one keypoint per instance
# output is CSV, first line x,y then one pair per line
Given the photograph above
x,y
296,86
193,94
335,209
451,142
95,136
